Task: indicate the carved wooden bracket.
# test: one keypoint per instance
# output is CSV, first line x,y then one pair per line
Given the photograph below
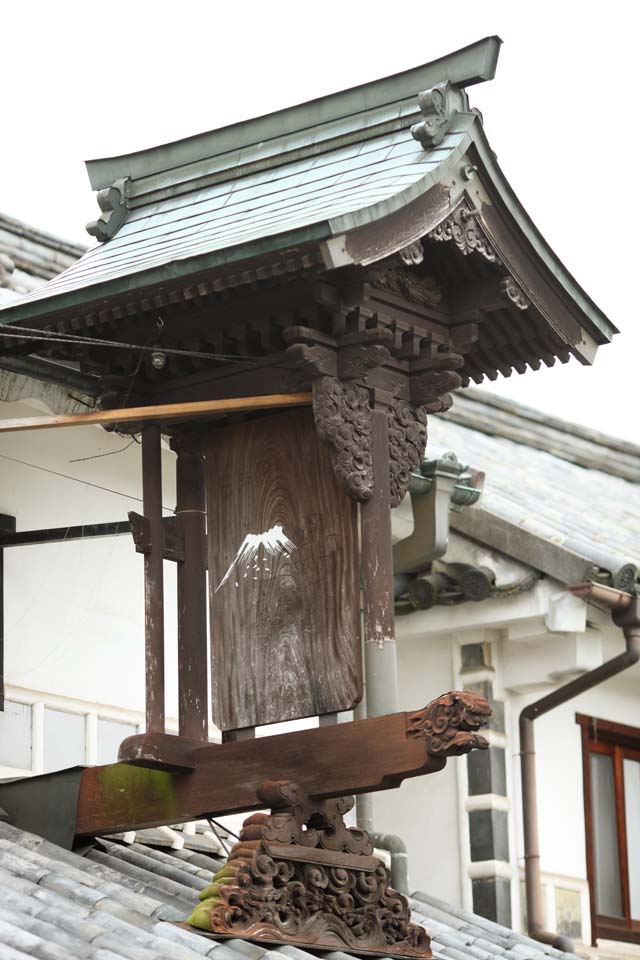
x,y
301,876
450,724
343,421
340,372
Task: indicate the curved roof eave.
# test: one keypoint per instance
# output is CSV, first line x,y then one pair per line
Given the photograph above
x,y
448,175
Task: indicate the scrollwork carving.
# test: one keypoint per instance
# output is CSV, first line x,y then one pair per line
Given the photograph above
x,y
423,290
439,107
450,724
114,205
463,228
407,442
515,293
343,422
310,881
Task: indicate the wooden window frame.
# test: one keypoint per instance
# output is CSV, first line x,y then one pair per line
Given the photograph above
x,y
620,742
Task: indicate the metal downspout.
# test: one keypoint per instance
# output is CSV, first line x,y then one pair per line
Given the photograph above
x,y
398,852
428,541
625,612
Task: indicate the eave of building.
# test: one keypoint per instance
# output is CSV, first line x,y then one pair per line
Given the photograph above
x,y
360,232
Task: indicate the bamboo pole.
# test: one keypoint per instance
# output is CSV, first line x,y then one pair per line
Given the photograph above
x,y
166,411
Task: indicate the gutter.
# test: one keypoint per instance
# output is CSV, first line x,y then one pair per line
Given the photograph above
x,y
625,613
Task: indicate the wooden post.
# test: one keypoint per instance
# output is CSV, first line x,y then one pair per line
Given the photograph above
x,y
193,694
377,570
7,525
153,580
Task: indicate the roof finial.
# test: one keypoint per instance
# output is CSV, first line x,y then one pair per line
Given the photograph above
x,y
439,106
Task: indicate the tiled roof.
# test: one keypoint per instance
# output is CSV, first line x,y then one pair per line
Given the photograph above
x,y
322,195
348,179
566,485
29,257
117,901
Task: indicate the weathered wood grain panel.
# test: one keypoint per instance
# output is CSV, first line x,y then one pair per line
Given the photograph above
x,y
285,632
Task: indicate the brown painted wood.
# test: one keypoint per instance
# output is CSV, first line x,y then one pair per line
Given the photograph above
x,y
618,741
193,692
285,642
348,758
618,779
377,566
166,412
153,578
588,821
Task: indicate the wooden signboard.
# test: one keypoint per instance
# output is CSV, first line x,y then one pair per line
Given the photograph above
x,y
285,620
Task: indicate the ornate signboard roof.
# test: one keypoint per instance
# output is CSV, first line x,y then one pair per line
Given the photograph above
x,y
398,170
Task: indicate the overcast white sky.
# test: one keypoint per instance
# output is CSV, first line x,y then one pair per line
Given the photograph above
x,y
88,79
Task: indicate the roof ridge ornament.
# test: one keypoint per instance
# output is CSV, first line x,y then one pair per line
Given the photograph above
x,y
113,201
439,106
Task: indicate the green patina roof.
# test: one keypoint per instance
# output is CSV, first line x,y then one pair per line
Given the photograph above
x,y
298,176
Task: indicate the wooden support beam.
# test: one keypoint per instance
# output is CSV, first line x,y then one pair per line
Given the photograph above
x,y
166,412
193,693
328,761
153,578
377,577
7,526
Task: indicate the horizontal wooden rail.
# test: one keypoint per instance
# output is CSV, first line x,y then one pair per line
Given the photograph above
x,y
167,411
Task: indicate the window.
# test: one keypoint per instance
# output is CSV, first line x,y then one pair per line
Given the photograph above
x,y
611,768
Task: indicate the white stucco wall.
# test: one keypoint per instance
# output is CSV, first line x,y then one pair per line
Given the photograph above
x,y
559,767
424,810
74,623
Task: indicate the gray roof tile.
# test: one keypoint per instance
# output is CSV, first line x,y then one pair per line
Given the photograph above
x,y
539,476
63,906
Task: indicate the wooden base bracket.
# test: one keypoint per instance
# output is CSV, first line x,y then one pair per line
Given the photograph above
x,y
301,876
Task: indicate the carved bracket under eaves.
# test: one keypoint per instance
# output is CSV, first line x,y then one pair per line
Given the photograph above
x,y
463,228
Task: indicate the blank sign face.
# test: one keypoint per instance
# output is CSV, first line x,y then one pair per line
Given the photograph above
x,y
283,575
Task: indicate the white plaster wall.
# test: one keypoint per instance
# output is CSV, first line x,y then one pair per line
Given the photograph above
x,y
559,767
424,810
74,623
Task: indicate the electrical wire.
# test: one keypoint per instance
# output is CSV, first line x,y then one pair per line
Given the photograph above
x,y
219,837
33,334
66,476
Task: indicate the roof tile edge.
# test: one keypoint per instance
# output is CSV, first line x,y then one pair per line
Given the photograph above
x,y
469,65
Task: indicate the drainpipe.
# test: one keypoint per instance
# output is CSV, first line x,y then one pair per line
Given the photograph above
x,y
625,613
398,851
432,490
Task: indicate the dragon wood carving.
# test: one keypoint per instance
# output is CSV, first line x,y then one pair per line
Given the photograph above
x,y
450,724
300,876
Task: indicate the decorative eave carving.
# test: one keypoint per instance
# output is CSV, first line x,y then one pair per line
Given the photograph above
x,y
514,292
439,106
404,283
113,203
301,876
463,228
340,370
343,421
450,724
